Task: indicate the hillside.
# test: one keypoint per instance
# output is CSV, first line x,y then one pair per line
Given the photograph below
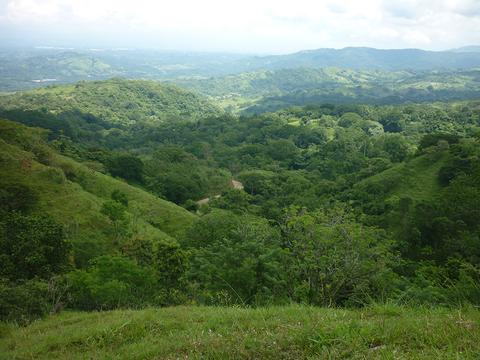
x,y
269,90
115,101
417,178
73,194
293,332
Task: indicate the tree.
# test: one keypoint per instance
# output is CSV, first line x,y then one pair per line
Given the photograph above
x,y
112,282
282,150
128,167
258,181
140,250
177,187
433,139
115,211
24,301
396,146
393,121
119,197
235,258
333,260
237,201
350,119
16,197
170,263
32,246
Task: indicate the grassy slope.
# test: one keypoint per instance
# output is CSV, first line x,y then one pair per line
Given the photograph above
x,y
76,202
417,178
293,332
167,216
115,101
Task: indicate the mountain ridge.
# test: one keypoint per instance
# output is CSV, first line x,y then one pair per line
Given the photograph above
x,y
28,68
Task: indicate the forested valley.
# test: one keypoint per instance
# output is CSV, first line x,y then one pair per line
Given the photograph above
x,y
131,194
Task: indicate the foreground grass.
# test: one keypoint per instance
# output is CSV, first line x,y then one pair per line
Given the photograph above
x,y
293,332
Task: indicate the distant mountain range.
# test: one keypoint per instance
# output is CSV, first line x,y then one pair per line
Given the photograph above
x,y
472,48
24,69
362,58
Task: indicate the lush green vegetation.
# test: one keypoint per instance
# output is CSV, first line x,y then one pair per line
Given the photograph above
x,y
293,332
47,200
132,194
269,90
113,102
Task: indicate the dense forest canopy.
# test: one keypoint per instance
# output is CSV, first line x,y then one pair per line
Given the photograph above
x,y
115,101
130,182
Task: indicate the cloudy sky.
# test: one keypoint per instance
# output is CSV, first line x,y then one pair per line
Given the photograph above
x,y
253,26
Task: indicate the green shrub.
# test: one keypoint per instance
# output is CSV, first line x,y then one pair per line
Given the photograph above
x,y
235,255
55,175
127,167
31,246
24,301
433,139
43,154
16,197
112,282
332,260
119,197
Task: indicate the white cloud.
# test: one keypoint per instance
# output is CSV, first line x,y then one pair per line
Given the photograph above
x,y
251,25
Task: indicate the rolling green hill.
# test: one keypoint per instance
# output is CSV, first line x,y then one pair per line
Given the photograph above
x,y
269,90
73,193
115,101
293,332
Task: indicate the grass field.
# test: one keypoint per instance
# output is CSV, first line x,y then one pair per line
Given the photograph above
x,y
291,332
417,178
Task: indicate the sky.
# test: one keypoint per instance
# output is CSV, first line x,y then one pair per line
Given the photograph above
x,y
243,26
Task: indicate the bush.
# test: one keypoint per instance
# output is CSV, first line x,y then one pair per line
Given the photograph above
x,y
112,282
456,284
119,197
235,257
170,263
433,140
43,154
55,175
24,301
127,167
16,197
31,246
335,261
